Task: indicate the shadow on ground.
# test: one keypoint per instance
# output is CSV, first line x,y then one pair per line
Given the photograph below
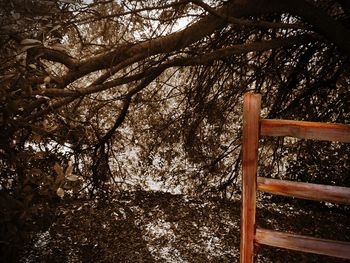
x,y
160,227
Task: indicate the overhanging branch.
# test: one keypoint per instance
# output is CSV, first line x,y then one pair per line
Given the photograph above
x,y
152,73
190,61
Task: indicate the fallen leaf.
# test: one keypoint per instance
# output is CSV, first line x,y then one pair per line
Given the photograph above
x,y
60,192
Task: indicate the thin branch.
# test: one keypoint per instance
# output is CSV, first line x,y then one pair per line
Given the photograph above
x,y
54,106
118,122
131,12
245,48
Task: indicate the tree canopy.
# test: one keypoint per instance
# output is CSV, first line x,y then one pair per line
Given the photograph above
x,y
102,96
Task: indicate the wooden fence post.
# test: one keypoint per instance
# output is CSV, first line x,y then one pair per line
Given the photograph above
x,y
251,127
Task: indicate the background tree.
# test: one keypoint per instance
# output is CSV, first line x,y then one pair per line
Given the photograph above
x,y
104,95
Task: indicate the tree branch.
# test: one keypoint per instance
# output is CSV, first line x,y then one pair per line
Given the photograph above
x,y
148,48
50,108
127,101
245,48
191,61
325,24
246,22
174,41
55,56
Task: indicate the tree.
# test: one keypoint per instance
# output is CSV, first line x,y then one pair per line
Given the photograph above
x,y
97,94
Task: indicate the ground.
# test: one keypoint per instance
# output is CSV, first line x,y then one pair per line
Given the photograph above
x,y
160,227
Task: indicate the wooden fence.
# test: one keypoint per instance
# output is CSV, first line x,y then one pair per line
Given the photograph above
x,y
253,128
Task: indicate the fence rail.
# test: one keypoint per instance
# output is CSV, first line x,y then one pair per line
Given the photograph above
x,y
306,130
303,243
253,128
318,192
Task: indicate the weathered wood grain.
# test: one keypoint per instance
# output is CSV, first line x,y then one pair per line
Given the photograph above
x,y
253,126
303,243
306,130
318,192
251,123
